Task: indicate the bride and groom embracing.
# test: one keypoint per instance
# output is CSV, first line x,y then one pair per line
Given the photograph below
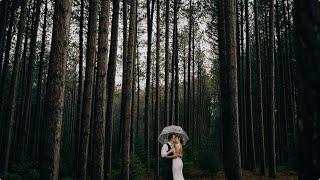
x,y
172,153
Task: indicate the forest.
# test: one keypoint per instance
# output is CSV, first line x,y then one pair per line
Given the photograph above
x,y
86,87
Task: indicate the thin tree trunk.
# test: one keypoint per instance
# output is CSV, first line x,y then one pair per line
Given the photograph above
x,y
32,58
80,91
271,90
249,92
147,93
127,88
138,79
134,74
100,95
55,91
185,103
88,89
166,76
40,83
124,56
13,85
260,93
188,126
111,85
157,103
176,62
4,11
243,90
5,69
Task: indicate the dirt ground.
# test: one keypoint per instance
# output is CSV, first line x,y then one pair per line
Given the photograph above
x,y
247,175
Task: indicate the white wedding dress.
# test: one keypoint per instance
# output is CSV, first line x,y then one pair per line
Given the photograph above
x,y
177,169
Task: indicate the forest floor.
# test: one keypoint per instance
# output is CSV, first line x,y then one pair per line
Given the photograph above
x,y
247,175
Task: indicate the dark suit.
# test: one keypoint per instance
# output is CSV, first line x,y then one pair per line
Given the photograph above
x,y
167,166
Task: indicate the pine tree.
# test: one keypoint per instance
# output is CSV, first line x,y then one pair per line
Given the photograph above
x,y
14,84
111,72
54,99
100,95
88,88
229,94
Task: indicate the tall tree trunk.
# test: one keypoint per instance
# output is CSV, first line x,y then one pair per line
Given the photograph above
x,y
127,88
20,123
40,83
287,93
157,103
260,93
280,85
166,70
249,92
243,89
134,74
193,86
5,69
176,61
124,56
147,133
138,79
100,95
185,103
4,18
172,90
188,124
111,72
80,91
307,18
13,84
55,91
229,94
239,63
88,88
32,58
271,95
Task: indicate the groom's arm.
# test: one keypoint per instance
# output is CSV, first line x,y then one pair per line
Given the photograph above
x,y
164,150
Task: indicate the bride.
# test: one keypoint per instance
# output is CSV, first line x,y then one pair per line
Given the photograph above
x,y
177,164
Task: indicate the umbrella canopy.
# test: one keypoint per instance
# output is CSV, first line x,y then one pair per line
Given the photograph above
x,y
163,137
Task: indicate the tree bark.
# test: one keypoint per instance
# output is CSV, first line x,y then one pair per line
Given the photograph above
x,y
134,79
188,124
5,69
260,93
32,58
166,76
55,91
157,103
124,56
4,11
80,91
148,76
271,95
249,116
88,88
127,88
229,94
307,18
100,95
40,83
175,52
111,85
13,84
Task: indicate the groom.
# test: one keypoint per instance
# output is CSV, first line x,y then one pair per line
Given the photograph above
x,y
166,151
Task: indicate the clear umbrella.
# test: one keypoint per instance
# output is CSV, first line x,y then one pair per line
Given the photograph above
x,y
163,137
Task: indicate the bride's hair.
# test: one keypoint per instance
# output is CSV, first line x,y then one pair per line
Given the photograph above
x,y
180,139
